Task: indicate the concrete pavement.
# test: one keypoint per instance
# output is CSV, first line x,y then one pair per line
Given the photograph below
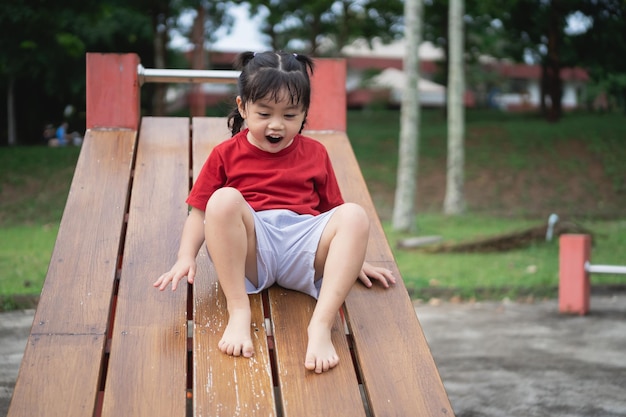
x,y
503,359
499,359
14,330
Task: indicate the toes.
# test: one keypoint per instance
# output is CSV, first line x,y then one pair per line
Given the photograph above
x,y
244,349
309,363
248,351
320,365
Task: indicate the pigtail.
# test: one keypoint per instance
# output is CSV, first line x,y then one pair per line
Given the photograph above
x,y
307,63
235,121
243,59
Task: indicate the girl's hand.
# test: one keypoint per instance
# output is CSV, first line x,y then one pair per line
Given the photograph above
x,y
383,275
181,269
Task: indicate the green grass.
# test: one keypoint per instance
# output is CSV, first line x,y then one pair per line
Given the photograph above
x,y
34,182
512,147
24,255
530,271
505,145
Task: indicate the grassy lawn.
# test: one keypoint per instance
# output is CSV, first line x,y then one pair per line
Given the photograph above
x,y
24,255
530,271
519,169
34,182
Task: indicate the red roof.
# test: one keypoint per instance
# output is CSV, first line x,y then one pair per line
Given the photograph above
x,y
534,72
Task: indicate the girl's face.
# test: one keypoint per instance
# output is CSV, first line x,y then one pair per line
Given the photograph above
x,y
272,125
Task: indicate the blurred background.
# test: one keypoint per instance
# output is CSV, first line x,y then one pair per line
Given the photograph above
x,y
513,48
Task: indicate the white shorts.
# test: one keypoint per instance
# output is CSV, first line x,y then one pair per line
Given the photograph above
x,y
286,246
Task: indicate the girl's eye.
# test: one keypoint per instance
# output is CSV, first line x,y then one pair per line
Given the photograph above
x,y
263,114
290,116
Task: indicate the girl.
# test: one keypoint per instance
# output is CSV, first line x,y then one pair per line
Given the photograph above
x,y
268,206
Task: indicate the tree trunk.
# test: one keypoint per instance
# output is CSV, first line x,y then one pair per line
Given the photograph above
x,y
197,105
544,89
454,202
406,188
11,132
554,62
160,34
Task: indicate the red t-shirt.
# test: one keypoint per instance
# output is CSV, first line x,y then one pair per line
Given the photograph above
x,y
299,178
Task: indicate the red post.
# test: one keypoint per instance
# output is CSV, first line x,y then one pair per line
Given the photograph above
x,y
574,285
328,96
112,91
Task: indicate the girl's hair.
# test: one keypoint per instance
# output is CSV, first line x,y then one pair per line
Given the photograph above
x,y
268,75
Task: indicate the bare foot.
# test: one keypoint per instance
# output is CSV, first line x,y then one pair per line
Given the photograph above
x,y
320,353
236,340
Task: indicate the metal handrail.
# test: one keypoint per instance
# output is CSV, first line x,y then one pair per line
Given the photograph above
x,y
155,75
605,269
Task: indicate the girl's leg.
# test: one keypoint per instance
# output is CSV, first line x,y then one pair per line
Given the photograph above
x,y
231,242
340,255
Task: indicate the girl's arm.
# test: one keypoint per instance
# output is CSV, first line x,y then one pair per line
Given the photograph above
x,y
190,243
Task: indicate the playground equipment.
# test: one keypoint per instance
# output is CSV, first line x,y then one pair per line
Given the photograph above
x,y
104,343
574,269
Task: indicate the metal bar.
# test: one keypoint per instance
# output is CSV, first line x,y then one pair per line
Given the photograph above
x,y
152,75
604,269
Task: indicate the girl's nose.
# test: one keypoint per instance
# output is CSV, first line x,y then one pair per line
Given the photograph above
x,y
275,123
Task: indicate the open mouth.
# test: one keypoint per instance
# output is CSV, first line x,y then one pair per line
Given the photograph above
x,y
274,139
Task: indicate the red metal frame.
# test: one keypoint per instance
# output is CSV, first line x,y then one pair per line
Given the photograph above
x,y
113,93
574,284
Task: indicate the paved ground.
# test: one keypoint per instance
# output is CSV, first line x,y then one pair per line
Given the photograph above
x,y
14,330
508,359
496,359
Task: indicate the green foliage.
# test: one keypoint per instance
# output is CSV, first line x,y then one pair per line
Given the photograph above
x,y
42,52
341,21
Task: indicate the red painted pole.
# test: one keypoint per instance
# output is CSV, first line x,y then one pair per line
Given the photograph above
x,y
574,285
112,91
328,109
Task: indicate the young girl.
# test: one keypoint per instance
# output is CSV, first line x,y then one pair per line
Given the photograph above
x,y
268,206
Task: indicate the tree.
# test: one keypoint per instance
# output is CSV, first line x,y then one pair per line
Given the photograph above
x,y
536,30
601,46
454,202
36,51
209,17
406,187
42,56
293,24
42,53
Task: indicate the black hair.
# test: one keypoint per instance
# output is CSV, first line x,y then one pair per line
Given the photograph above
x,y
269,74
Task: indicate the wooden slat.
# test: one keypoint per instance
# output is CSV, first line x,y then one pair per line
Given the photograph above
x,y
223,385
354,189
304,393
84,260
69,329
148,362
62,369
395,362
58,376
